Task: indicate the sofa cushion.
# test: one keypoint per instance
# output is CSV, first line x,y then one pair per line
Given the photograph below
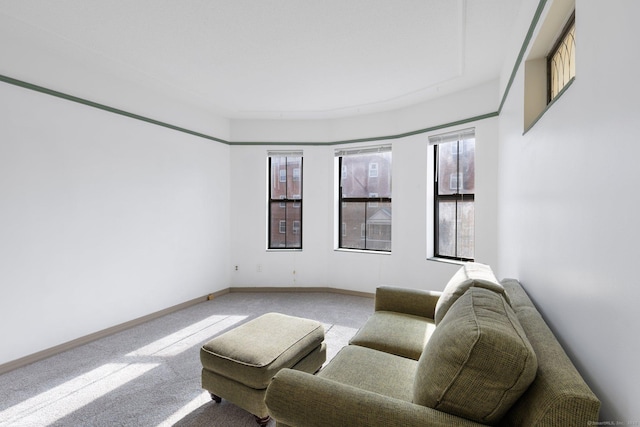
x,y
478,361
372,370
470,274
396,333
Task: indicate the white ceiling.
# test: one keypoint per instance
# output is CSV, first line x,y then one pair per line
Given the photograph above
x,y
248,59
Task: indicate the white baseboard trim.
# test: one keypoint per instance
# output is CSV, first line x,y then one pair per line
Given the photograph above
x,y
302,289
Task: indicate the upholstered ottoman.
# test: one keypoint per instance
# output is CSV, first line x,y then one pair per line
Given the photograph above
x,y
239,364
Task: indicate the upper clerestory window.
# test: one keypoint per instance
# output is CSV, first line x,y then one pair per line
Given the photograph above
x,y
550,65
561,61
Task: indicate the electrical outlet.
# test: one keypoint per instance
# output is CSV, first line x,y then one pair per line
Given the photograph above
x,y
236,268
259,268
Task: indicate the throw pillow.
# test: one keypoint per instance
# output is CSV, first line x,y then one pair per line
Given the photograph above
x,y
470,274
478,361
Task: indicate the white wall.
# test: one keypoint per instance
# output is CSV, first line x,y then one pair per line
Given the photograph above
x,y
318,264
31,54
477,101
568,206
103,219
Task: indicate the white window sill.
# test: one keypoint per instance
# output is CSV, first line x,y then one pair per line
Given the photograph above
x,y
362,251
446,260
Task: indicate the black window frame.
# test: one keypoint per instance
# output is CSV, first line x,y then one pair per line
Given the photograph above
x,y
368,202
456,197
288,200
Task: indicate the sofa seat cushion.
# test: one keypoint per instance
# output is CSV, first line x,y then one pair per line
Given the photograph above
x,y
372,370
396,333
478,361
469,275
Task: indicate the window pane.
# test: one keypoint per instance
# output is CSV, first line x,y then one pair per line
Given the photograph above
x,y
466,226
467,170
286,182
353,225
447,229
294,183
378,231
456,167
448,168
278,177
366,174
294,219
456,229
366,227
286,220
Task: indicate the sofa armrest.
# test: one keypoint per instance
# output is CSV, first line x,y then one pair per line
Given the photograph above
x,y
296,398
409,301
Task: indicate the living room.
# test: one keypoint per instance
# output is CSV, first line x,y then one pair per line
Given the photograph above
x,y
107,217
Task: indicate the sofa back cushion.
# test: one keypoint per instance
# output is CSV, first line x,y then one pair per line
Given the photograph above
x,y
478,361
470,274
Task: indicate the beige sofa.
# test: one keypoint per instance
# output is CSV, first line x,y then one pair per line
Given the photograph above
x,y
478,353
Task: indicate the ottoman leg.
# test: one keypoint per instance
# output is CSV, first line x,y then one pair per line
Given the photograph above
x,y
262,422
215,398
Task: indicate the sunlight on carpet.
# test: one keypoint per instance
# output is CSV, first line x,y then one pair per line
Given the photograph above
x,y
194,404
68,397
176,343
60,401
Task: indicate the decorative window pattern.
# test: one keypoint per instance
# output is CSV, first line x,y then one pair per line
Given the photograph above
x,y
285,200
561,62
454,188
365,198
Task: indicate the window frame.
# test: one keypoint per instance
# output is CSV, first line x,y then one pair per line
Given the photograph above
x,y
557,46
368,202
288,201
457,197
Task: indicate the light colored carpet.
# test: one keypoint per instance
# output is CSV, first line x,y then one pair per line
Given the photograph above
x,y
149,375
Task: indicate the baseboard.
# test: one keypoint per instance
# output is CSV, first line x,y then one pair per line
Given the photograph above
x,y
302,289
35,357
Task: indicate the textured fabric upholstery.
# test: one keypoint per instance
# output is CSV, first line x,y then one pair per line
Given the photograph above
x,y
374,371
302,400
470,274
239,364
408,301
251,399
253,352
396,333
352,391
402,321
478,362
